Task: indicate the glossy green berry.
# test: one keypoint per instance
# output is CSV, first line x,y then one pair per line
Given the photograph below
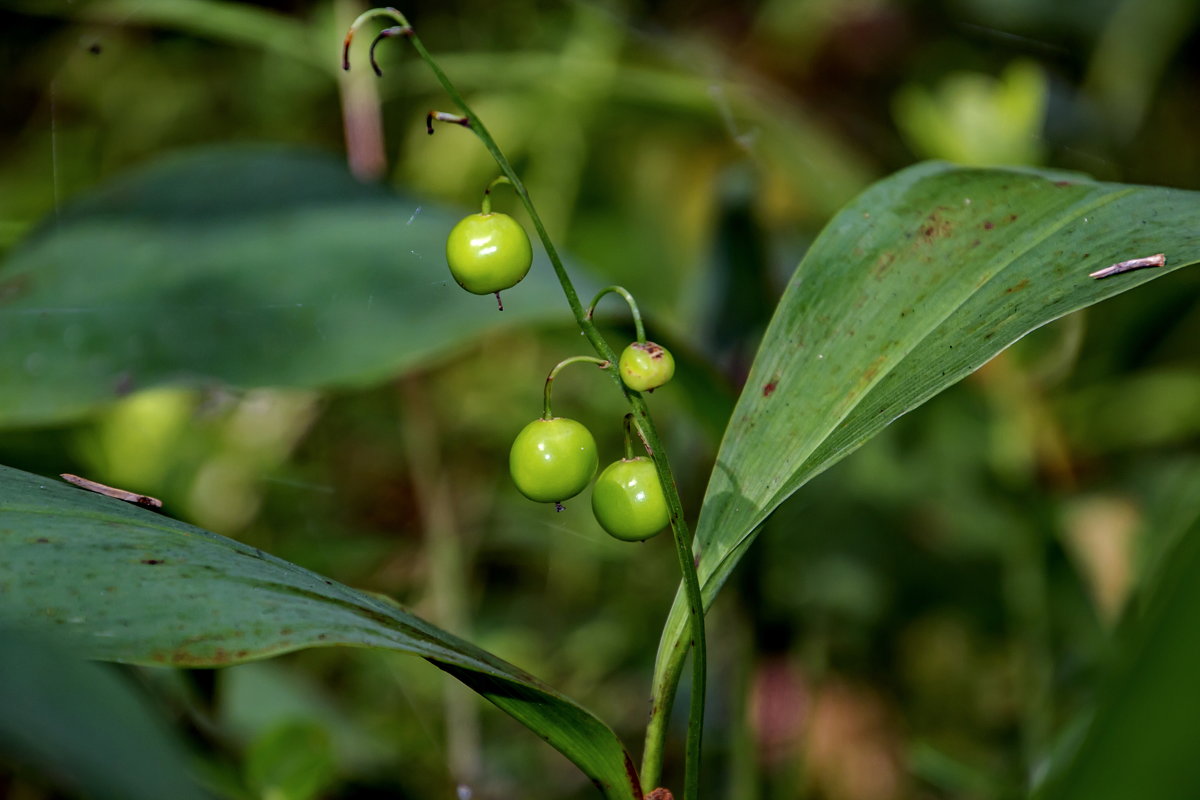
x,y
646,365
628,500
488,252
553,459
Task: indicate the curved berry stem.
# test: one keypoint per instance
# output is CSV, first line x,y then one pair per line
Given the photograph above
x,y
633,308
600,362
386,33
631,428
629,437
486,206
366,16
655,734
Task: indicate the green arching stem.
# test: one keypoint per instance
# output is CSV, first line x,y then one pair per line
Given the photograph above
x,y
653,753
633,308
486,205
629,437
600,362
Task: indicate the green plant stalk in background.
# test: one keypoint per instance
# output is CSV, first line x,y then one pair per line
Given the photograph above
x,y
660,704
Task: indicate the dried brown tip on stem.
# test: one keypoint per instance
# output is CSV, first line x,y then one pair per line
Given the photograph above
x,y
386,33
443,116
499,302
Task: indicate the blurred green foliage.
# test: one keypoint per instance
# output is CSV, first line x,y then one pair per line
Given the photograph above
x,y
974,119
925,621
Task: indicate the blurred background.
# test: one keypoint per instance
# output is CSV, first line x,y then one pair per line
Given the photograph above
x,y
924,621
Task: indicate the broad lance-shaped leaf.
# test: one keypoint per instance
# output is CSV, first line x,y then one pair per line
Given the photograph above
x,y
116,582
914,285
248,267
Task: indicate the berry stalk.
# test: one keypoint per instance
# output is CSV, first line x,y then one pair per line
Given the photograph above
x,y
485,207
601,363
633,308
652,756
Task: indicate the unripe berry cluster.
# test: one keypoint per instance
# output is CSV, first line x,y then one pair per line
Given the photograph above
x,y
554,458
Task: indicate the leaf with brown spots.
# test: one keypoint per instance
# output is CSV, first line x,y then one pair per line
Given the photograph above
x,y
916,284
116,582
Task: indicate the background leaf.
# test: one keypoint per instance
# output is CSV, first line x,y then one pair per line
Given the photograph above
x,y
1151,689
80,726
116,582
292,761
913,286
250,267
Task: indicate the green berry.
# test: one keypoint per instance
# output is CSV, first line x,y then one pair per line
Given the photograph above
x,y
488,252
628,500
553,459
646,365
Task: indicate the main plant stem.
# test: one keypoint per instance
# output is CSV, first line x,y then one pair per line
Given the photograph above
x,y
679,528
652,758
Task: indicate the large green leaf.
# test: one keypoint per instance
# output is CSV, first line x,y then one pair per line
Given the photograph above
x,y
83,728
911,287
116,582
249,267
